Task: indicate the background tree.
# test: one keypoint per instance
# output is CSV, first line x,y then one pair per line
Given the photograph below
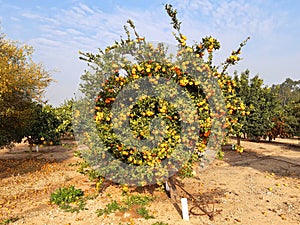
x,y
295,112
288,91
43,126
64,114
261,103
288,94
22,82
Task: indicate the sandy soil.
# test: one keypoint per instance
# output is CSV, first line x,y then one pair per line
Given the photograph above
x,y
259,186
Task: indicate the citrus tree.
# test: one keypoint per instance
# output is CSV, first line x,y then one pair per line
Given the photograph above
x,y
43,126
279,129
64,113
288,94
137,99
22,82
295,111
264,113
48,124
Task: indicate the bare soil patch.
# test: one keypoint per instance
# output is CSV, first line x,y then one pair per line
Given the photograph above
x,y
261,185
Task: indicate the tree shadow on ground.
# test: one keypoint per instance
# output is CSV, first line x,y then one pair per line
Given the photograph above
x,y
21,161
279,165
287,146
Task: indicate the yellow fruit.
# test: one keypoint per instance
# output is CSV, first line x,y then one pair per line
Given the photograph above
x,y
183,37
98,186
149,113
125,189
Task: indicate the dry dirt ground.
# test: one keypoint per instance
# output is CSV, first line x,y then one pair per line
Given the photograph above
x,y
259,186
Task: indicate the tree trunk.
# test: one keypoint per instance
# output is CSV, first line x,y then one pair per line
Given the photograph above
x,y
238,140
270,138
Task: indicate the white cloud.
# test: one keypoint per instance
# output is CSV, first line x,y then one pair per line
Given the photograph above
x,y
53,31
31,16
86,8
190,6
232,21
44,42
13,18
39,17
73,31
228,15
86,28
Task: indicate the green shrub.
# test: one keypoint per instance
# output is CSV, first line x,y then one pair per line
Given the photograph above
x,y
159,223
144,213
138,200
70,199
133,200
111,208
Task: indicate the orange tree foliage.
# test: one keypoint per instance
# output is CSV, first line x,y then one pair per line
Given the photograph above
x,y
288,93
22,81
43,126
273,110
111,81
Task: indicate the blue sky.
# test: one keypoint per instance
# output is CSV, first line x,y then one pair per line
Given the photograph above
x,y
57,30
